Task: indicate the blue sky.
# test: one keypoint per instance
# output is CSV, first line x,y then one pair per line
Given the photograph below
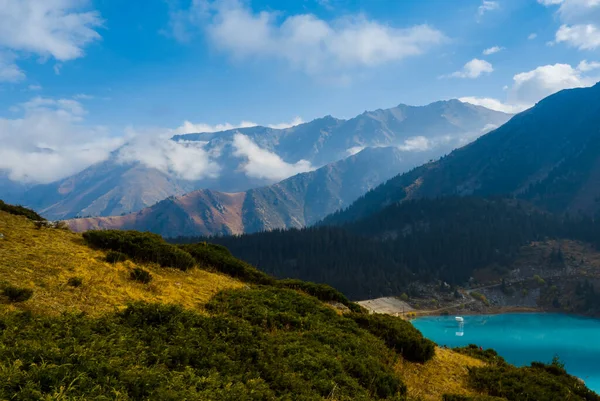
x,y
107,68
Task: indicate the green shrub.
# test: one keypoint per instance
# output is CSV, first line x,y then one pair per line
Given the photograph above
x,y
141,275
537,382
324,292
538,280
219,258
142,247
453,397
480,297
75,281
489,355
115,257
17,294
20,211
162,352
398,334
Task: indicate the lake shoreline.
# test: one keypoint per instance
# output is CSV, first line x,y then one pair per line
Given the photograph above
x,y
502,310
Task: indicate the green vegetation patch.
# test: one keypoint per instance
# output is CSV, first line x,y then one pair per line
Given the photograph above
x,y
17,294
140,275
489,355
141,247
398,334
453,397
218,257
259,344
537,382
20,211
324,292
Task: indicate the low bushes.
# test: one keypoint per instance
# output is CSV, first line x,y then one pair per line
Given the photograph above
x,y
115,257
489,355
20,211
140,275
452,397
162,352
480,297
75,281
537,382
142,247
219,258
323,292
398,334
17,294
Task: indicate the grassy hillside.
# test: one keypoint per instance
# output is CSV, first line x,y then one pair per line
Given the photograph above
x,y
45,259
154,332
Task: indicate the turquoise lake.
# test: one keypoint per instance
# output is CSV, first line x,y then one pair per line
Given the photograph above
x,y
525,337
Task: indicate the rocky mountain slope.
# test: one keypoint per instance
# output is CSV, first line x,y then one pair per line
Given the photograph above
x,y
295,202
247,158
548,155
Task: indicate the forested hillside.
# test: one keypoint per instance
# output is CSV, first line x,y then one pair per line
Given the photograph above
x,y
424,240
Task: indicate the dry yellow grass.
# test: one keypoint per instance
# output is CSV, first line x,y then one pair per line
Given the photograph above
x,y
44,260
446,373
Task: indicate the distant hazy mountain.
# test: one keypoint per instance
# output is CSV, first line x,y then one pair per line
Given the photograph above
x,y
549,155
119,186
107,188
11,191
328,139
295,202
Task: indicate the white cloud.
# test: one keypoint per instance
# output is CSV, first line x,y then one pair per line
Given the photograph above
x,y
308,43
532,36
354,150
492,104
35,87
584,66
191,128
583,37
49,28
549,2
9,71
473,69
531,86
580,24
487,6
262,163
293,123
83,96
492,50
579,11
184,159
48,142
416,144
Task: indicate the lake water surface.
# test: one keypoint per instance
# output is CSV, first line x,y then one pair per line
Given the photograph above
x,y
525,337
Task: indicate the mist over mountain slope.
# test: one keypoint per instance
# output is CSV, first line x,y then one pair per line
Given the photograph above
x,y
549,155
137,176
298,201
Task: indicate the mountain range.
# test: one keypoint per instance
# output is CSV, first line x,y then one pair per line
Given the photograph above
x,y
547,155
295,202
135,177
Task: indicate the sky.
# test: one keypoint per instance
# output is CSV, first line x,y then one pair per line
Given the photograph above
x,y
79,78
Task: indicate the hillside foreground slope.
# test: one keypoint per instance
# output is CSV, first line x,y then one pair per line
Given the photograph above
x,y
196,333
